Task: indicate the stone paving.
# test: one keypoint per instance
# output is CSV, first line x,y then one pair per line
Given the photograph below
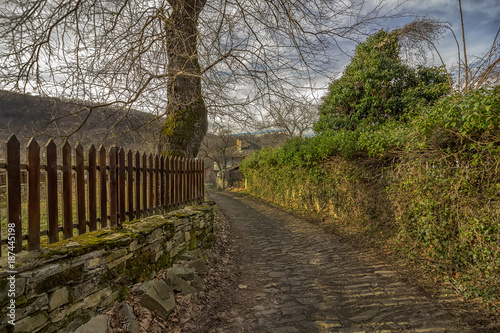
x,y
295,277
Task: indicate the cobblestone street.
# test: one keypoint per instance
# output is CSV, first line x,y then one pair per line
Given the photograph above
x,y
295,277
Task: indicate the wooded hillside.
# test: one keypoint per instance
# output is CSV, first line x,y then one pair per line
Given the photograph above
x,y
45,117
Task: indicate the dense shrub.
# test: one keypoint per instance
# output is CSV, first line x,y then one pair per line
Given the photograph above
x,y
428,188
377,85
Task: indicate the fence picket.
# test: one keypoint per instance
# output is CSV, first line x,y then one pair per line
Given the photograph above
x,y
113,188
80,190
171,170
157,186
33,159
150,185
92,189
202,177
137,185
13,152
52,196
67,192
167,184
121,187
177,182
184,180
161,204
130,186
144,211
103,188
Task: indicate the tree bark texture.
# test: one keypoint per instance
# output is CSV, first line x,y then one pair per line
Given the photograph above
x,y
186,123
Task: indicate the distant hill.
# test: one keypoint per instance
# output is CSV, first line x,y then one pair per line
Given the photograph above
x,y
44,117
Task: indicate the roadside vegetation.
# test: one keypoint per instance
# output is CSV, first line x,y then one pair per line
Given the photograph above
x,y
401,159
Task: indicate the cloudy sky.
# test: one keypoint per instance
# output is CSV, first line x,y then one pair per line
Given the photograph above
x,y
481,21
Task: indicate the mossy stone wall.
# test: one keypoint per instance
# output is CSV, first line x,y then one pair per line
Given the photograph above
x,y
66,283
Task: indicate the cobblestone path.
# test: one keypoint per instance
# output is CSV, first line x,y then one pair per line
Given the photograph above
x,y
295,277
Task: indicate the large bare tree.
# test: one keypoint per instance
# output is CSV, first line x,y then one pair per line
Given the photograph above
x,y
292,117
183,59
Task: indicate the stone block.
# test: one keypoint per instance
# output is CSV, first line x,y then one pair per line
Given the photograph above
x,y
158,255
181,285
117,254
198,265
120,260
98,324
58,297
129,317
40,303
157,296
49,270
63,312
90,283
96,262
155,247
156,235
31,323
185,273
95,298
135,245
174,251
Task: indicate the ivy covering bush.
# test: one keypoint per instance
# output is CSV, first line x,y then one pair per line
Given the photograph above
x,y
428,188
378,86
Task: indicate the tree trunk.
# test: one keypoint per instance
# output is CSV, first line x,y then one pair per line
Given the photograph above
x,y
186,123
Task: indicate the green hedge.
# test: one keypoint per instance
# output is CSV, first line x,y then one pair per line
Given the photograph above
x,y
428,188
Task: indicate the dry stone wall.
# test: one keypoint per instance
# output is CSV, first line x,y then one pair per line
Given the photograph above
x,y
65,284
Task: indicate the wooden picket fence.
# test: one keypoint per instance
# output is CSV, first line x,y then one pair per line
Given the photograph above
x,y
126,186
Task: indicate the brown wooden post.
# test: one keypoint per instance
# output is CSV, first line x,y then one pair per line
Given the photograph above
x,y
113,195
130,185
184,180
157,186
195,181
181,181
202,181
103,187
177,182
67,192
150,187
198,181
13,154
162,184
80,189
188,180
137,185
92,185
186,177
191,181
144,185
121,187
52,195
172,183
167,184
33,159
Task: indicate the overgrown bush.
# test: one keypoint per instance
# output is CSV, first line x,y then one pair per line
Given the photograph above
x,y
378,86
428,188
